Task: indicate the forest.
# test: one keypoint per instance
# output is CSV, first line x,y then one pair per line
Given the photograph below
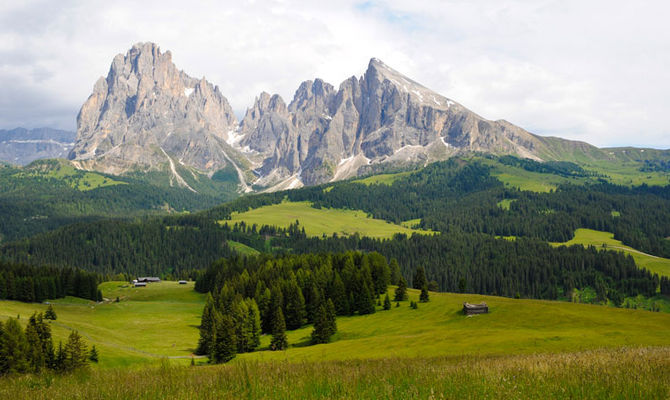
x,y
30,283
265,294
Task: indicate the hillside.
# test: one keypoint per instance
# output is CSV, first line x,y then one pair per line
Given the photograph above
x,y
161,320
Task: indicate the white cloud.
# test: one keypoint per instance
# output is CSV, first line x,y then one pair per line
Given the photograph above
x,y
593,71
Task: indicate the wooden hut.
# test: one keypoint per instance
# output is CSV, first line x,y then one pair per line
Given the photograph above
x,y
182,282
472,309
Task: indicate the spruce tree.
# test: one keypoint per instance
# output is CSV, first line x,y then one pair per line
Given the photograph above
x,y
395,271
401,290
294,306
224,343
50,313
321,331
93,355
331,316
76,354
279,340
424,298
206,327
387,302
419,278
14,348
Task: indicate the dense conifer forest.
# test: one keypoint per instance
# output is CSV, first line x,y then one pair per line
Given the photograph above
x,y
265,294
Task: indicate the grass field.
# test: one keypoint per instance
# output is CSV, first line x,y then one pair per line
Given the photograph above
x,y
384,179
630,373
64,171
148,323
160,321
605,240
505,204
321,221
242,248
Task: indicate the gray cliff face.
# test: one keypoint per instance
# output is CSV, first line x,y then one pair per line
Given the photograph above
x,y
146,112
383,117
148,115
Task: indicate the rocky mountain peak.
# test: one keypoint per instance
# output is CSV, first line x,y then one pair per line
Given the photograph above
x,y
146,114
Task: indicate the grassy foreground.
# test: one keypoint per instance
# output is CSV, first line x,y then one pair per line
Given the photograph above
x,y
606,241
322,221
630,373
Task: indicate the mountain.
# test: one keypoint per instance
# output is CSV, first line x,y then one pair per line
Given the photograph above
x,y
146,115
327,134
22,146
149,116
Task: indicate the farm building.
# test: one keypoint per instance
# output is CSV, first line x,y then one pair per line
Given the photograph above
x,y
182,282
148,279
472,309
139,284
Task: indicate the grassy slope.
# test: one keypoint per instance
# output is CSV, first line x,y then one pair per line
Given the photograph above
x,y
385,179
634,373
589,237
242,248
161,321
64,171
148,323
320,221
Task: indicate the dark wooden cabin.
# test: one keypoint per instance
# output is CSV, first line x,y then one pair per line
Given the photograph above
x,y
472,309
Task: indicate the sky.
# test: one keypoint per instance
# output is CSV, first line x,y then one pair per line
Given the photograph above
x,y
595,71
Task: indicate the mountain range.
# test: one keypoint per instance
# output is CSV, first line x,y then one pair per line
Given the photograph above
x,y
148,116
21,146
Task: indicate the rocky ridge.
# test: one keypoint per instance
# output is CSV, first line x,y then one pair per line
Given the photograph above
x,y
147,114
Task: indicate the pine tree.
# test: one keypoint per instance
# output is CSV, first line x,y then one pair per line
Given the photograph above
x,y
50,313
419,278
294,306
254,327
14,348
93,355
206,327
224,343
279,340
331,316
424,298
387,302
76,354
320,334
401,290
395,271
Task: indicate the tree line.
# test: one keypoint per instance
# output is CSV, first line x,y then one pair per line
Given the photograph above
x,y
38,283
270,294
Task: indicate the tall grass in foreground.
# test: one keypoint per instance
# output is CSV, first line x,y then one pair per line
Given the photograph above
x,y
628,373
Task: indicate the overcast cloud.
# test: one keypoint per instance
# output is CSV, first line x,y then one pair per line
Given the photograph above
x,y
588,70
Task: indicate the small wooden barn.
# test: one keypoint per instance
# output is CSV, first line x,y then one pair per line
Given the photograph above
x,y
182,282
139,284
148,279
472,309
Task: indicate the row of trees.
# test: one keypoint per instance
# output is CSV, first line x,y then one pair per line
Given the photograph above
x,y
36,284
32,350
267,294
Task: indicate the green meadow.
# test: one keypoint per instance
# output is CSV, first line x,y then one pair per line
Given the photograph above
x,y
323,221
606,241
160,322
64,171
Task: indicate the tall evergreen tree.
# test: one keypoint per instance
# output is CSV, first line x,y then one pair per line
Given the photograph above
x,y
401,290
279,340
14,348
50,313
395,271
424,298
76,353
331,317
224,343
419,278
93,355
387,302
206,327
294,306
321,332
